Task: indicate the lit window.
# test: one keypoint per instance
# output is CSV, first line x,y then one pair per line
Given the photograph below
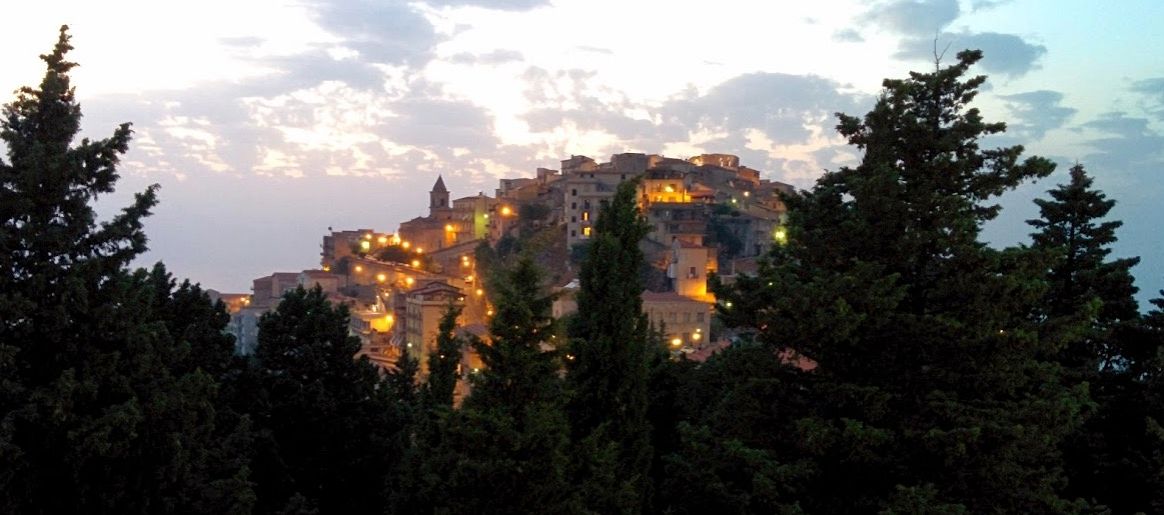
x,y
586,232
585,216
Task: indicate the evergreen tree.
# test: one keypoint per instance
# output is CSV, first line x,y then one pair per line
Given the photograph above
x,y
1071,229
608,375
929,389
324,419
103,408
734,452
1105,457
445,362
504,451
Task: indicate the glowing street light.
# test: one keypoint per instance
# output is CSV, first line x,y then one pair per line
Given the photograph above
x,y
415,263
383,240
506,211
780,235
449,228
359,268
381,277
676,342
365,245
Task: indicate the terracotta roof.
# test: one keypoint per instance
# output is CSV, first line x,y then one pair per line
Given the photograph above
x,y
666,296
318,273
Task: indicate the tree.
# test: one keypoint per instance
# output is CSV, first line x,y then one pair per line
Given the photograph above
x,y
104,409
324,418
1106,457
1071,229
610,345
444,364
930,387
504,451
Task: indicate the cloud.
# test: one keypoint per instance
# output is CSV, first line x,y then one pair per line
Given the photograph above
x,y
595,50
241,41
914,17
495,57
784,107
382,32
1153,90
436,123
308,69
1003,54
1038,112
1126,143
848,36
985,5
497,5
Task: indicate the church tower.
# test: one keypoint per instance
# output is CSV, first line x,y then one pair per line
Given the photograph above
x,y
438,198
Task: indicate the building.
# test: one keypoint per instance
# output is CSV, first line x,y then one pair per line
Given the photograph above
x,y
424,307
340,244
684,322
690,266
448,224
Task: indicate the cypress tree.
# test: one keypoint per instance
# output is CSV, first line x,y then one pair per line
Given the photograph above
x,y
608,373
103,408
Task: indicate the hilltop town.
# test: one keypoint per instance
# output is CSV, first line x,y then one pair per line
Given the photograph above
x,y
708,214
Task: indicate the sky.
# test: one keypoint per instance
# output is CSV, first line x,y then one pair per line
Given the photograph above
x,y
267,122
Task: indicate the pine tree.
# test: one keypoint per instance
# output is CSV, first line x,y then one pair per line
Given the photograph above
x,y
1105,457
445,362
102,410
504,451
1071,229
610,347
929,388
323,417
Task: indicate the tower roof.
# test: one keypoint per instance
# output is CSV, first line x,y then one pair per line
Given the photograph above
x,y
440,185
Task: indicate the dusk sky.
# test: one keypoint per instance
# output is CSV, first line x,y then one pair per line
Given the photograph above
x,y
268,122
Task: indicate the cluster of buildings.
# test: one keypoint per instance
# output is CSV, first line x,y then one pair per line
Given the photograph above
x,y
707,214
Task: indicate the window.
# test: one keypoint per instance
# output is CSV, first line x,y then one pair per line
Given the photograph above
x,y
573,219
691,273
574,192
699,317
573,233
585,216
586,232
573,205
686,320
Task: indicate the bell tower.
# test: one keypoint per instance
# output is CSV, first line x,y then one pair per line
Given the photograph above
x,y
438,198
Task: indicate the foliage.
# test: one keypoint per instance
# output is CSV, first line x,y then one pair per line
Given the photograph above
x,y
105,405
929,377
324,419
1110,459
443,365
610,345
